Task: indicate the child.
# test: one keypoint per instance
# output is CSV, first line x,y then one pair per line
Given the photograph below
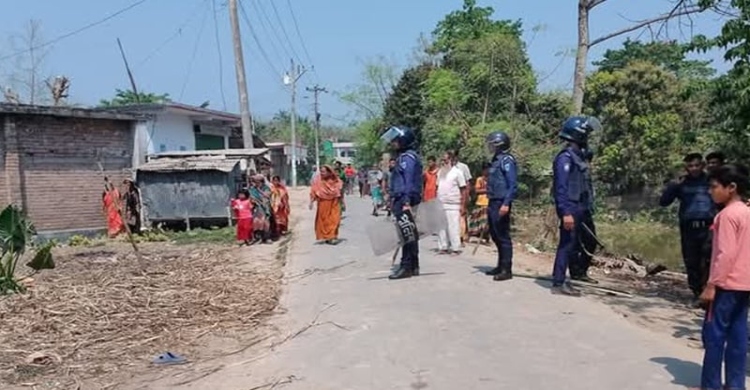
x,y
725,329
243,210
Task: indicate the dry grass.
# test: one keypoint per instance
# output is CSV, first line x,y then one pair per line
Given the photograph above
x,y
97,314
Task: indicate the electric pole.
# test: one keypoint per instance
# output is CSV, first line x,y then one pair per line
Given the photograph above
x,y
316,90
291,78
239,67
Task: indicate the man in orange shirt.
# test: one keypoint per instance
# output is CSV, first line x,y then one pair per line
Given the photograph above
x,y
430,180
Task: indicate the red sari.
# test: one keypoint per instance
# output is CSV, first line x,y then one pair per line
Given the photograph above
x,y
243,211
111,203
280,206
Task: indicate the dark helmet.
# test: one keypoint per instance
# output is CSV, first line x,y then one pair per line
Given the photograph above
x,y
576,129
497,141
403,135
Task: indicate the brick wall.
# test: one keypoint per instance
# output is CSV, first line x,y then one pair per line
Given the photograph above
x,y
51,169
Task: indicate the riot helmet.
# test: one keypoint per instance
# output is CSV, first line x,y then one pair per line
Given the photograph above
x,y
497,142
400,138
576,129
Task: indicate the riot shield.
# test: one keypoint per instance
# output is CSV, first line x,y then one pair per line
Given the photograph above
x,y
385,235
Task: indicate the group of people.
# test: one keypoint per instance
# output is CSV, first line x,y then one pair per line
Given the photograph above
x,y
261,210
122,208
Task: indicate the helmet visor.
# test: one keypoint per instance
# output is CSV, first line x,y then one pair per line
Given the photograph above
x,y
391,135
593,124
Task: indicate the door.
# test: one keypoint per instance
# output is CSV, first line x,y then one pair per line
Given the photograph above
x,y
209,142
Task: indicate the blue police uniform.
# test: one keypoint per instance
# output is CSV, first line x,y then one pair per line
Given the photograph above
x,y
502,187
406,188
573,195
696,214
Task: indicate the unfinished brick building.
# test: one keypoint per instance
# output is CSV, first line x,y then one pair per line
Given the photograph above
x,y
54,160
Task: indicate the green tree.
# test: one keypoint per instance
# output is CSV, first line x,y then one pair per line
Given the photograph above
x,y
368,98
406,105
128,97
668,54
467,24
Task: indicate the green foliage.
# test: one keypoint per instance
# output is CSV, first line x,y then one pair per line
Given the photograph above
x,y
79,240
128,97
16,234
467,24
406,104
367,137
667,54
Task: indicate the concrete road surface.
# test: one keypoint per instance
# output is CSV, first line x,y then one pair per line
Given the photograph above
x,y
450,329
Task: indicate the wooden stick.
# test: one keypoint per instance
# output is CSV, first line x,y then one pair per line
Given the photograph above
x,y
121,211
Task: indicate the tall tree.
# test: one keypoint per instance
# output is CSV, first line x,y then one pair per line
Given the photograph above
x,y
678,8
29,74
407,105
128,97
369,97
671,55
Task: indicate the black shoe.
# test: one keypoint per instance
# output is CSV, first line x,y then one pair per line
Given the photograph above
x,y
415,271
493,271
566,289
503,275
401,273
585,279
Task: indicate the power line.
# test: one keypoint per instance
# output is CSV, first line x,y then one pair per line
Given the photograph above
x,y
259,10
221,60
192,58
276,74
176,34
74,32
299,35
283,30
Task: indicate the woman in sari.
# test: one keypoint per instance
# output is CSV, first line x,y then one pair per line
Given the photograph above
x,y
111,207
280,205
478,226
260,195
326,192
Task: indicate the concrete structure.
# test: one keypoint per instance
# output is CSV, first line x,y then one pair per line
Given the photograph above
x,y
54,160
281,161
170,127
345,150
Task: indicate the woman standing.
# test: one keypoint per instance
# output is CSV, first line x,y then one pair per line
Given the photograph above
x,y
478,219
111,208
260,195
280,205
132,200
326,192
243,211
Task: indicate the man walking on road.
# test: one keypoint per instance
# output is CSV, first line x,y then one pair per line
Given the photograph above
x,y
573,194
406,192
502,187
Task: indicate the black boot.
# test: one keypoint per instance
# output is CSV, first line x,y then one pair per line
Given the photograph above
x,y
566,289
401,273
503,275
415,271
493,271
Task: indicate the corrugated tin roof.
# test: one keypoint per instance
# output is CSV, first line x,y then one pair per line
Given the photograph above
x,y
221,152
70,112
187,164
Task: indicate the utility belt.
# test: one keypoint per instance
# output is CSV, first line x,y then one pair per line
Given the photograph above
x,y
696,223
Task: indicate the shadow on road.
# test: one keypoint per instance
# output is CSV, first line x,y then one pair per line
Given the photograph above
x,y
684,373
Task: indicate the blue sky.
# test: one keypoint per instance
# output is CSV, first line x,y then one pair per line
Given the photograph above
x,y
172,47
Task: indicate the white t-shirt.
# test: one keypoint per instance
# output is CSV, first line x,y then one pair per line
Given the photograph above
x,y
449,187
465,170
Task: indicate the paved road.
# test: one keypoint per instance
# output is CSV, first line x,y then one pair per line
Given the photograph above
x,y
452,328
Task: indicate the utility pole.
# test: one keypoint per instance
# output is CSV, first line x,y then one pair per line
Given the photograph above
x,y
291,78
239,67
316,90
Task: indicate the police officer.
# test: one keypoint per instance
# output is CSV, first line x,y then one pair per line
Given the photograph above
x,y
579,266
696,215
573,195
502,187
406,190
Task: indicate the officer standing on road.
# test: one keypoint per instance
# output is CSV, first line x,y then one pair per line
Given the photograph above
x,y
502,187
696,214
573,194
579,266
406,191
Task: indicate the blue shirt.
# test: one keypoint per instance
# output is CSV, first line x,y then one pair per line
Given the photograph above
x,y
502,183
406,181
572,188
695,200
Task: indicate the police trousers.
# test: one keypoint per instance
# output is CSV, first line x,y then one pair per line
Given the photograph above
x,y
695,239
725,336
410,251
572,254
499,227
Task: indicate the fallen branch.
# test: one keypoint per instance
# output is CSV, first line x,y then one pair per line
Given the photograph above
x,y
312,324
274,384
309,272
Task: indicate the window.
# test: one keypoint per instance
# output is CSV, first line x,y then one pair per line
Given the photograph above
x,y
162,148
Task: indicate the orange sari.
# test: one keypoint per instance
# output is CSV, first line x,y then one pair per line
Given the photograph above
x,y
280,206
326,192
111,203
430,185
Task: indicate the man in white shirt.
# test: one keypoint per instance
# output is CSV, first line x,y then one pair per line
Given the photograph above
x,y
452,194
467,175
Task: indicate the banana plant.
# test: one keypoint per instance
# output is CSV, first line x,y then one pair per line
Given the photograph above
x,y
16,235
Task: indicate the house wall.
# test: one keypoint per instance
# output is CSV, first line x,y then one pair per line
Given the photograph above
x,y
178,196
51,168
169,132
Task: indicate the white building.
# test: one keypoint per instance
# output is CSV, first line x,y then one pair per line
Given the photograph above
x,y
175,127
344,152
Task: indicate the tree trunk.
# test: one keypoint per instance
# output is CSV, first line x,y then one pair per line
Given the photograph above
x,y
579,78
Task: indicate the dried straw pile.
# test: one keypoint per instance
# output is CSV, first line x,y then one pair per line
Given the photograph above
x,y
97,314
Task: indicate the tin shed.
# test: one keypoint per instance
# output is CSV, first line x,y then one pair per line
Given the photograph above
x,y
188,189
